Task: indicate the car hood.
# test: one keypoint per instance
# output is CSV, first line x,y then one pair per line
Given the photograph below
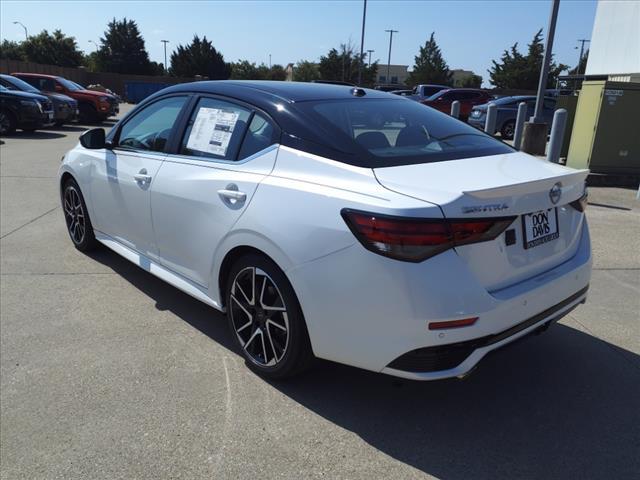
x,y
94,93
60,97
25,95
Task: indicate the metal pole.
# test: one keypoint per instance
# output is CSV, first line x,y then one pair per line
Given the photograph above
x,y
582,42
364,16
492,116
391,32
557,134
542,85
370,52
520,119
26,35
269,61
166,69
455,109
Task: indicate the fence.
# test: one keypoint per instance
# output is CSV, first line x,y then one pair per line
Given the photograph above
x,y
113,81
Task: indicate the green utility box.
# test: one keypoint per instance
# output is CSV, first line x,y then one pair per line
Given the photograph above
x,y
606,128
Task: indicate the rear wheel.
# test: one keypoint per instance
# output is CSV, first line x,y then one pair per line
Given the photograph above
x,y
7,122
77,218
265,318
507,130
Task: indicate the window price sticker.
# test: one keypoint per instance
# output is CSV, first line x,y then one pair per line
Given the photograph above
x,y
212,131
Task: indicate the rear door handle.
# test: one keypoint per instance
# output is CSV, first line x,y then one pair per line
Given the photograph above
x,y
233,195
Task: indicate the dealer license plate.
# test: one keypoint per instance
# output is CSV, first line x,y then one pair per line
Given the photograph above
x,y
540,227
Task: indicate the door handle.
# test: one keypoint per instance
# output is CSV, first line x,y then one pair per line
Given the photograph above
x,y
142,176
233,195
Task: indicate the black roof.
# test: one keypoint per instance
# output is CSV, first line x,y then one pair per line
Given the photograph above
x,y
285,91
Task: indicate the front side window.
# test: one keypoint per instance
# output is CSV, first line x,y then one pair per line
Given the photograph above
x,y
150,128
401,132
215,130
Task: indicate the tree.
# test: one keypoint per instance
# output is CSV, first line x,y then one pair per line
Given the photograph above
x,y
430,66
11,50
305,71
522,72
52,49
122,50
582,65
199,58
343,65
246,70
472,81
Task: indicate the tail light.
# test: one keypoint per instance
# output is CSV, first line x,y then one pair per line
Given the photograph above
x,y
581,203
416,239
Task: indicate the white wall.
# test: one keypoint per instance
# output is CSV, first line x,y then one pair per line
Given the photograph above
x,y
615,41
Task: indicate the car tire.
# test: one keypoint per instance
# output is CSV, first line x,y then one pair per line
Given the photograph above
x,y
507,130
265,319
76,217
7,122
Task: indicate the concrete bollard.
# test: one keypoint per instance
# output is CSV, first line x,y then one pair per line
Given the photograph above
x,y
455,109
492,116
520,119
557,134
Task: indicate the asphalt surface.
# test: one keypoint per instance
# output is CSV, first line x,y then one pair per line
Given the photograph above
x,y
106,372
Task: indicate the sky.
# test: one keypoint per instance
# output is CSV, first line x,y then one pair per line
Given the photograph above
x,y
470,33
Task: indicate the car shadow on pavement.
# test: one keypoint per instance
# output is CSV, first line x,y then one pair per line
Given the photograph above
x,y
563,404
37,135
68,128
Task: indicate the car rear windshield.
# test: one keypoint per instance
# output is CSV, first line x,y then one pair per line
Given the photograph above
x,y
22,85
390,132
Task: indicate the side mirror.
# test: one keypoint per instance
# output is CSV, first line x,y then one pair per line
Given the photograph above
x,y
93,139
59,88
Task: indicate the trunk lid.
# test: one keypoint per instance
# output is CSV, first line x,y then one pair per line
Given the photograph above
x,y
514,184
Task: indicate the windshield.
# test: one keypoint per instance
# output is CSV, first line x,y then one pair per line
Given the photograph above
x,y
402,132
69,84
21,84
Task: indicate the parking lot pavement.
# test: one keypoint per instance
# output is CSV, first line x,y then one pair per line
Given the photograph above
x,y
106,372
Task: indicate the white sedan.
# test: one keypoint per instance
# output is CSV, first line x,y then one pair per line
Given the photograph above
x,y
335,222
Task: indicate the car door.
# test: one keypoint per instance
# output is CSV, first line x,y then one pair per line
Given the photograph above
x,y
206,184
122,179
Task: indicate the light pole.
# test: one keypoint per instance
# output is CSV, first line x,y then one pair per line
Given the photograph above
x,y
165,55
269,61
582,42
391,32
364,17
370,52
26,35
542,84
95,44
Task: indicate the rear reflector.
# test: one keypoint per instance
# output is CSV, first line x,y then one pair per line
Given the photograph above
x,y
465,322
416,239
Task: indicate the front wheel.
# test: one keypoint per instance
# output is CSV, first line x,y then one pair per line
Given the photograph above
x,y
7,123
77,218
265,318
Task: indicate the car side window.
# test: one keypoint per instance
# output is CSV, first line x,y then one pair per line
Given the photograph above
x,y
150,128
215,130
7,85
258,137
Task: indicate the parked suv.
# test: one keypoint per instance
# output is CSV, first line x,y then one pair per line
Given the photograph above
x,y
468,98
93,106
65,108
508,111
27,111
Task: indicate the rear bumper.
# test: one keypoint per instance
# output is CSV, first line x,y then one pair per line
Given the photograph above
x,y
368,311
458,359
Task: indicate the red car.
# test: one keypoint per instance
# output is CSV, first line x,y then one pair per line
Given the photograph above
x,y
468,98
93,105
